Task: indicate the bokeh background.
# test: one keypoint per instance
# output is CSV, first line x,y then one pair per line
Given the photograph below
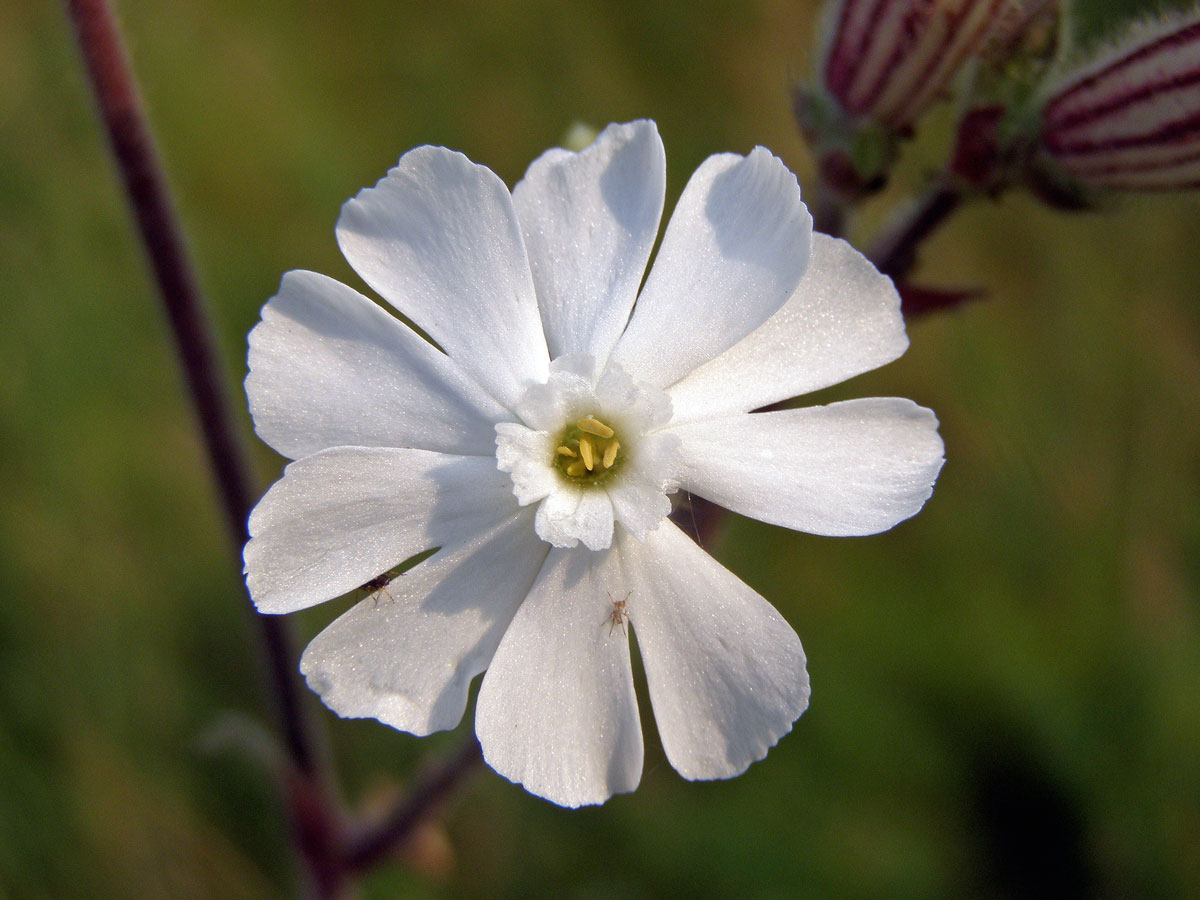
x,y
1006,688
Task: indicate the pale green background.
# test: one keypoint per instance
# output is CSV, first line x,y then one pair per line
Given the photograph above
x,y
1009,681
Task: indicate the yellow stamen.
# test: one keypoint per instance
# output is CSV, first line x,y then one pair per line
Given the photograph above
x,y
592,426
565,451
610,453
588,453
576,469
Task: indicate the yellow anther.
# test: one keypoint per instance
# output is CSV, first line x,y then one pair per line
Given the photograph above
x,y
587,452
610,453
592,426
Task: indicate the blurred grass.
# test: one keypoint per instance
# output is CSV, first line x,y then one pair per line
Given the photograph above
x,y
1007,688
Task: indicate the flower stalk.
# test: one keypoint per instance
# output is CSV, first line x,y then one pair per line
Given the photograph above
x,y
318,827
329,846
129,134
373,846
895,251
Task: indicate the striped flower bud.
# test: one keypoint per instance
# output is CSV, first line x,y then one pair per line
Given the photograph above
x,y
888,60
1129,117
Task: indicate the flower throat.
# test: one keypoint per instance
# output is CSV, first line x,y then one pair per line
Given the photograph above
x,y
588,452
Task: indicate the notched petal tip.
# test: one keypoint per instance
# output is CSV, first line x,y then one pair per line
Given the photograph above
x,y
727,675
843,319
589,220
407,656
330,368
557,712
351,701
740,230
438,238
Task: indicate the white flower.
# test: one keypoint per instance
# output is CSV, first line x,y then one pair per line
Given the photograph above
x,y
538,452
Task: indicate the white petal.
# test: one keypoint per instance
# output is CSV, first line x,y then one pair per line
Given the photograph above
x,y
844,319
589,221
638,503
570,387
572,514
557,711
329,368
343,516
525,455
651,472
725,671
637,407
406,656
734,251
439,239
850,468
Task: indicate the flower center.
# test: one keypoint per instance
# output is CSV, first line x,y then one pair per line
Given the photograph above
x,y
588,452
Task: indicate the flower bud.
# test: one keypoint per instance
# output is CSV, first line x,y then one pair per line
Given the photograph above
x,y
1129,117
888,60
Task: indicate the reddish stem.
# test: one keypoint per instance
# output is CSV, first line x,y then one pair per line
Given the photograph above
x,y
124,118
133,147
373,846
895,253
319,831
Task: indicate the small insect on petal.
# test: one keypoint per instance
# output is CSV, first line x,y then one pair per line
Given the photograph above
x,y
619,616
378,585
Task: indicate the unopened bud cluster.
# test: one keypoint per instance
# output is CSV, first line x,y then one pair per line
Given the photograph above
x,y
1063,119
882,64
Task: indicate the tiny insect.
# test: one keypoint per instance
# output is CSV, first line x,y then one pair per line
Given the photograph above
x,y
618,617
379,585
